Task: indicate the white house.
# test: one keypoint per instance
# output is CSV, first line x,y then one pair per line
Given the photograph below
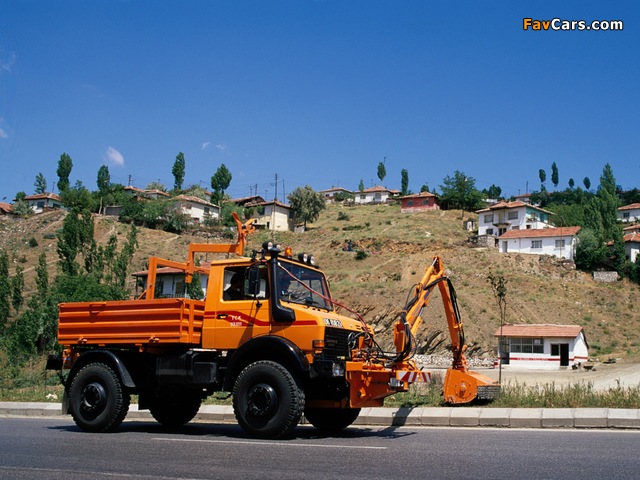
x,y
547,347
273,215
559,241
632,242
196,208
504,216
43,201
330,193
375,194
629,213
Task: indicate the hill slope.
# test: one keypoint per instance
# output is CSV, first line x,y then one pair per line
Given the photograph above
x,y
399,247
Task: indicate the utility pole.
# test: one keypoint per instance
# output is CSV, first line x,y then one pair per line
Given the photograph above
x,y
275,198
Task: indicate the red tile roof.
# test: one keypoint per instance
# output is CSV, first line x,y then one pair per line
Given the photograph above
x,y
540,331
632,237
633,206
503,204
541,232
421,195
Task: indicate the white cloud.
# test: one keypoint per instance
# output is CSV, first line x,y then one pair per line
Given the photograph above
x,y
205,145
222,147
114,157
3,134
7,59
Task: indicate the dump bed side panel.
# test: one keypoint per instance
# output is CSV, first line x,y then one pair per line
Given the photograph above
x,y
161,321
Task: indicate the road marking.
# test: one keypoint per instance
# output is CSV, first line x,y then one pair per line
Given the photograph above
x,y
255,442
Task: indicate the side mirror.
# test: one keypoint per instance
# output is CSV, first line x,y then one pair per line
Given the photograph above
x,y
254,281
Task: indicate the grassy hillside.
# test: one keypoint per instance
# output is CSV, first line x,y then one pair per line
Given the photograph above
x,y
399,247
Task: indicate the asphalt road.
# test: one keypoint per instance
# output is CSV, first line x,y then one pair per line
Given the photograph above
x,y
55,449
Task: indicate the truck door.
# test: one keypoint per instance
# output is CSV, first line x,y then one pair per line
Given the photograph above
x,y
239,314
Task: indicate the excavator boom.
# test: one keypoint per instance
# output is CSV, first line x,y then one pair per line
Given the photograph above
x,y
460,385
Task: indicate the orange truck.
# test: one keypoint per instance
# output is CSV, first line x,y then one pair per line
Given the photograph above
x,y
267,331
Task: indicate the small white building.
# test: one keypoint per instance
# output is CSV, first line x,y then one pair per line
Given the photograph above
x,y
43,201
504,216
632,242
544,347
375,194
197,208
332,194
629,213
272,215
558,242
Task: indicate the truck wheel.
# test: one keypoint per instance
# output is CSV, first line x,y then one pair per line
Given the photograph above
x,y
175,411
267,401
331,419
97,399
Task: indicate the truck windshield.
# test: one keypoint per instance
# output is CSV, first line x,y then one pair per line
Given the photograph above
x,y
302,285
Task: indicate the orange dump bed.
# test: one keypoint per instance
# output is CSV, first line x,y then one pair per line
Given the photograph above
x,y
161,321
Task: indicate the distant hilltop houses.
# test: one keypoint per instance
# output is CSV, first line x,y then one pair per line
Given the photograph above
x,y
516,226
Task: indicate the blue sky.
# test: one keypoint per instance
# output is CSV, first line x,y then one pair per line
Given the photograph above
x,y
317,92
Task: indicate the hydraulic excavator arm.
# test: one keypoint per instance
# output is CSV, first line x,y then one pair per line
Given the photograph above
x,y
460,384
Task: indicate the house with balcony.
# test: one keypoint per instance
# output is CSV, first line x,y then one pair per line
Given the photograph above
x,y
419,202
556,241
542,347
504,216
629,213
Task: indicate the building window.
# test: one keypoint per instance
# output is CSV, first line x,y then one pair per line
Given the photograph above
x,y
517,227
488,219
526,345
625,215
425,202
409,203
560,243
536,243
489,231
513,215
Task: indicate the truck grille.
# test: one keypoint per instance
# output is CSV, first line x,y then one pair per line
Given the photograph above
x,y
336,342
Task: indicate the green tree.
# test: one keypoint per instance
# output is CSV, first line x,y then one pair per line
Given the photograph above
x,y
77,197
404,181
554,175
586,182
306,204
40,183
543,178
219,183
76,236
424,188
104,183
493,191
361,186
571,183
382,172
178,171
17,287
460,192
64,170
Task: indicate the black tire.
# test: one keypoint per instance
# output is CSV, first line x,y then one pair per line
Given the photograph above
x,y
174,411
97,399
331,419
267,401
